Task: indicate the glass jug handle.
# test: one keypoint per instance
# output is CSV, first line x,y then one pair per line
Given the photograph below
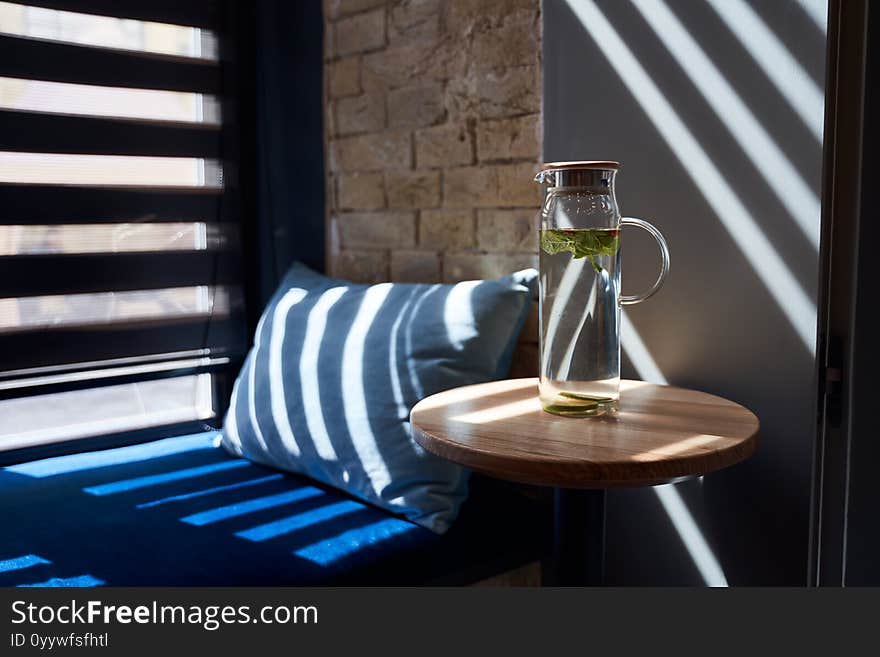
x,y
629,299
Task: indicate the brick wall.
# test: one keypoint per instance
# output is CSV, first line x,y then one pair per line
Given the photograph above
x,y
433,137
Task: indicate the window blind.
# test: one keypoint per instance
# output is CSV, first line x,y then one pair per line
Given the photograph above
x,y
119,250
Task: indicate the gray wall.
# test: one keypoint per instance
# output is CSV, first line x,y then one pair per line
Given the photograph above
x,y
725,322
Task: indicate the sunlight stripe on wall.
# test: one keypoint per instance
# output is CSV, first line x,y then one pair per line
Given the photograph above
x,y
817,10
778,64
798,307
682,520
798,198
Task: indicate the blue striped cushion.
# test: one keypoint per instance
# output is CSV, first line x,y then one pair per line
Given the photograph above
x,y
336,367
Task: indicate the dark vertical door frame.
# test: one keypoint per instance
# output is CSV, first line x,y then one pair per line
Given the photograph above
x,y
236,50
240,116
846,268
273,119
279,104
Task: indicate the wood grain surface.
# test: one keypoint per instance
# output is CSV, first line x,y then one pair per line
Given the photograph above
x,y
661,434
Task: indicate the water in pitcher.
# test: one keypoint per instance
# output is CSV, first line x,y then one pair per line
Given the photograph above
x,y
580,320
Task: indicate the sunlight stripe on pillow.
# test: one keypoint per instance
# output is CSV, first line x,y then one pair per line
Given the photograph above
x,y
308,373
277,399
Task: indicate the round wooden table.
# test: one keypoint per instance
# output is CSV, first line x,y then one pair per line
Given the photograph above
x,y
661,434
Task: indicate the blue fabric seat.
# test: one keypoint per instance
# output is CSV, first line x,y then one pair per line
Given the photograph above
x,y
181,511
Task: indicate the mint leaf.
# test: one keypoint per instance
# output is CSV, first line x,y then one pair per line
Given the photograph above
x,y
556,241
581,243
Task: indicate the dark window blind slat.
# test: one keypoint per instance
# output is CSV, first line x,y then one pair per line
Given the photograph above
x,y
37,132
36,275
192,13
71,204
42,59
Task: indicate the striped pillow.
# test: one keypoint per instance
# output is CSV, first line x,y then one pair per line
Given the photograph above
x,y
327,389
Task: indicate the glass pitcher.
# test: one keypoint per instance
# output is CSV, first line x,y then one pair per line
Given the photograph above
x,y
580,296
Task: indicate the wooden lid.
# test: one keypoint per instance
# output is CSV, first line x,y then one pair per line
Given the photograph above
x,y
580,164
660,434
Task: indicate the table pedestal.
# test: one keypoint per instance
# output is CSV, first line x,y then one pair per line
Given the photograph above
x,y
578,538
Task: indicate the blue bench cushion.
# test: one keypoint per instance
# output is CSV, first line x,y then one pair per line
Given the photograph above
x,y
181,511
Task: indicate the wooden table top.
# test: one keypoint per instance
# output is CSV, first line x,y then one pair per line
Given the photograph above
x,y
660,434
